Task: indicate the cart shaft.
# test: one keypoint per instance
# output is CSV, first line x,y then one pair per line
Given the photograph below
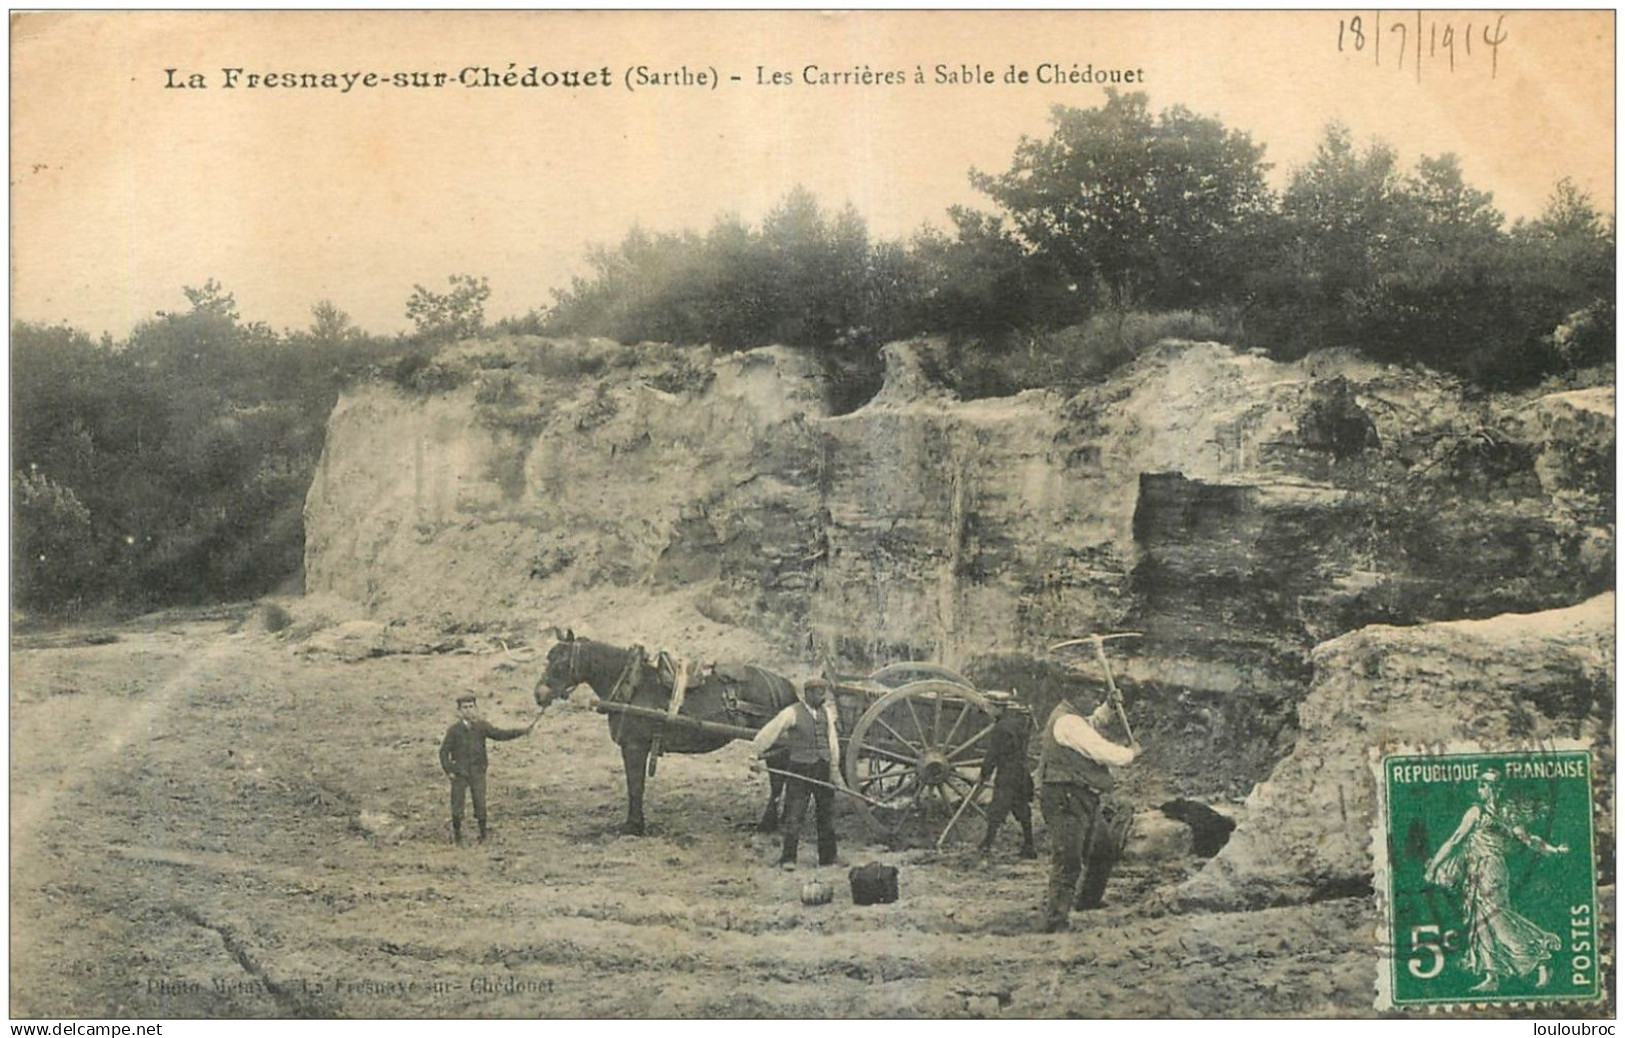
x,y
732,731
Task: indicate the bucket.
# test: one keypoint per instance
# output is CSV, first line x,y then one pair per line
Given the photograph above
x,y
873,884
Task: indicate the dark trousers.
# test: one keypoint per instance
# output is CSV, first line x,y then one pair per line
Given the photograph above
x,y
1010,798
1083,841
471,783
796,793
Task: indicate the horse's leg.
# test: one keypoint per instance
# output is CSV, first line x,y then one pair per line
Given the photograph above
x,y
633,756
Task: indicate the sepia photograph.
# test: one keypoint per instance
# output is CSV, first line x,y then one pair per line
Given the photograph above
x,y
871,515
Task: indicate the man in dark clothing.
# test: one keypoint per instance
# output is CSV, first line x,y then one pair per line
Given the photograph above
x,y
462,758
1006,765
805,733
1087,826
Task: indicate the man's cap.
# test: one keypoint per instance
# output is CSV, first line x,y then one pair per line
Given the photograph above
x,y
466,697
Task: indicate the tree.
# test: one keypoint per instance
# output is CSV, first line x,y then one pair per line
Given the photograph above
x,y
331,326
457,314
213,300
1436,290
1447,213
805,278
1566,260
1135,209
983,281
1340,216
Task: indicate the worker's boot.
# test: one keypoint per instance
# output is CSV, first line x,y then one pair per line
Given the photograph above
x,y
457,831
482,830
826,851
1028,851
986,846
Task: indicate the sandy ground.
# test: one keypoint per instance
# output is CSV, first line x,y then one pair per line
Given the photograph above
x,y
210,823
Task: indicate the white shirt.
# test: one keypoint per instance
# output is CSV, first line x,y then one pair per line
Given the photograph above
x,y
774,729
1077,733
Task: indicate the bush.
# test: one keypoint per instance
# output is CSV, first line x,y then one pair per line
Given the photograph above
x,y
498,391
418,372
684,376
52,550
1069,358
274,618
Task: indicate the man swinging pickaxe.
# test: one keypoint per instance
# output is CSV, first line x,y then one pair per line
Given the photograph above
x,y
1088,826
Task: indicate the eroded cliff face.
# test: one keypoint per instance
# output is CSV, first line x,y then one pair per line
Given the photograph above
x,y
1513,681
491,501
1234,510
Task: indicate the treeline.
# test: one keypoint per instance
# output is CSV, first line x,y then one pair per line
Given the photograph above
x,y
172,467
1121,215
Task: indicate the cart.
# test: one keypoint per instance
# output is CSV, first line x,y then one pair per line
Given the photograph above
x,y
914,738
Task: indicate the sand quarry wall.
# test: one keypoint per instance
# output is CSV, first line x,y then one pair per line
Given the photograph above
x,y
1236,510
1189,494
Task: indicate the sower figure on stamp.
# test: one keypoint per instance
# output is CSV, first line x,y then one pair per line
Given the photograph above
x,y
1472,862
462,758
1087,827
806,731
1006,765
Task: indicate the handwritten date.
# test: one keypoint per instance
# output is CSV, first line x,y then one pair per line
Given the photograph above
x,y
1410,41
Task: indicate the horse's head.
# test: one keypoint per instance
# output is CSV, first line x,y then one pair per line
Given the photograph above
x,y
563,671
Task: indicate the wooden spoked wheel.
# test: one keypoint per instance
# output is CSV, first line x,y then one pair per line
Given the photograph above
x,y
918,752
896,675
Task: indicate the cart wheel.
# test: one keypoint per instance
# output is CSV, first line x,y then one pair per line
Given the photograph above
x,y
896,675
918,751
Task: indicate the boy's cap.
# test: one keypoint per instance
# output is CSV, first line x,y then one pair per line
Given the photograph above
x,y
466,697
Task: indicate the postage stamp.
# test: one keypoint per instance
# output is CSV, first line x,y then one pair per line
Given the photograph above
x,y
1485,866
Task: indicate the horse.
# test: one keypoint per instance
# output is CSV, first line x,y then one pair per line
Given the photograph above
x,y
743,695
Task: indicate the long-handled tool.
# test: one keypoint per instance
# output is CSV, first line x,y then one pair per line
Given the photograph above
x,y
827,785
980,782
1099,642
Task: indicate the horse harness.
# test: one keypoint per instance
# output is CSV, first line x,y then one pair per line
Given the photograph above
x,y
634,656
680,673
679,688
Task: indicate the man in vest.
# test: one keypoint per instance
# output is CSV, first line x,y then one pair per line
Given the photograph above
x,y
1074,773
806,732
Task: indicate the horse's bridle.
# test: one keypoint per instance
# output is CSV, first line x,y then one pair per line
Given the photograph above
x,y
577,676
574,675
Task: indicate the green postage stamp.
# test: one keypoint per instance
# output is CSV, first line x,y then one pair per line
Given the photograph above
x,y
1487,873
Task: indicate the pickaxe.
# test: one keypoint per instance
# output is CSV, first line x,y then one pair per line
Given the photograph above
x,y
1099,642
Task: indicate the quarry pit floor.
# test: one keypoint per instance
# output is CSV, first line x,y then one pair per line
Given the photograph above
x,y
206,822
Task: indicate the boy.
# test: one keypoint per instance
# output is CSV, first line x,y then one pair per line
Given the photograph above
x,y
462,758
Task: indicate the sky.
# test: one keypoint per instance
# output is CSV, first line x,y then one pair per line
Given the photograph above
x,y
127,185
